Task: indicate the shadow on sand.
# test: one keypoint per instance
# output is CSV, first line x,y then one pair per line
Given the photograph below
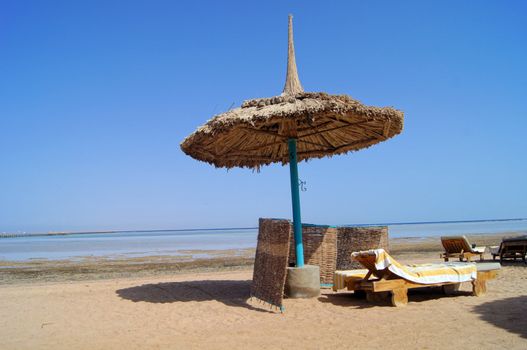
x,y
229,292
358,300
508,314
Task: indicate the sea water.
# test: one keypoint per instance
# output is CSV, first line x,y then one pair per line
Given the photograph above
x,y
148,243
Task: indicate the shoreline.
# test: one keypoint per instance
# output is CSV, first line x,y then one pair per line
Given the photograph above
x,y
102,268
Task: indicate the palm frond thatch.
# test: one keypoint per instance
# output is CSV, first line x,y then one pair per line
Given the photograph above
x,y
324,125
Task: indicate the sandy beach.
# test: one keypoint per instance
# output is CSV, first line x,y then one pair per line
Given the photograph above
x,y
190,174
209,307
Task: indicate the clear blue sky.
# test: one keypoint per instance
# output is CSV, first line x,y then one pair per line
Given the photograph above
x,y
95,97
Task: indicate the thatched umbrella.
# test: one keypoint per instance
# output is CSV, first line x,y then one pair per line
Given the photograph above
x,y
292,127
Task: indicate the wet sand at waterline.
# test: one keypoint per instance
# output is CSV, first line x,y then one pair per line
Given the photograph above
x,y
207,306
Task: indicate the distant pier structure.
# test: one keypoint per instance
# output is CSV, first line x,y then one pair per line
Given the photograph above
x,y
37,234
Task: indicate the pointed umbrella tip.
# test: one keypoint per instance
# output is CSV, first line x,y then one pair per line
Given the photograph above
x,y
292,82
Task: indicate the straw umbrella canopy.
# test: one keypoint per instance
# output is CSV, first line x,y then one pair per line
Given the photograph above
x,y
292,127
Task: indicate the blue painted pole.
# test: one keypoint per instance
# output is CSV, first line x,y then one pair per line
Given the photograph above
x,y
295,196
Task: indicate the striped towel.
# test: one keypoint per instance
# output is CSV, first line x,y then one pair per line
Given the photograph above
x,y
448,272
341,277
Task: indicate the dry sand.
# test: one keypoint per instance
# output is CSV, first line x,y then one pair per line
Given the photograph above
x,y
211,310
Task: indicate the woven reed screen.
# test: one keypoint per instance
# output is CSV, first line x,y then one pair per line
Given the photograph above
x,y
330,247
270,263
320,248
354,239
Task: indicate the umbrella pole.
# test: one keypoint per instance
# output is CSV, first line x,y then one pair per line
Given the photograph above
x,y
295,196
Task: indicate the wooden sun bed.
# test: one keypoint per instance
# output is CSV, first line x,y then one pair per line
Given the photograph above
x,y
511,248
377,284
459,247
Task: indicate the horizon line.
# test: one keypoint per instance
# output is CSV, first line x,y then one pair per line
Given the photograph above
x,y
252,227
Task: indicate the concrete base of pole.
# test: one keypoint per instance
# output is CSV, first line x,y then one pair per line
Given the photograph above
x,y
303,282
